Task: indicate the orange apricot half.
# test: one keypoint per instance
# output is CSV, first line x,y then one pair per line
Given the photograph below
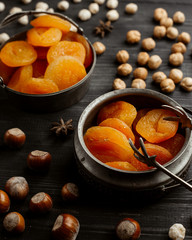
x,y
6,72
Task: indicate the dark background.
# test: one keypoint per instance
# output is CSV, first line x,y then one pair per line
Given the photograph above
x,y
98,214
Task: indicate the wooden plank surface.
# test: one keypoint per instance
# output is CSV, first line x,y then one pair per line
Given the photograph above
x,y
98,214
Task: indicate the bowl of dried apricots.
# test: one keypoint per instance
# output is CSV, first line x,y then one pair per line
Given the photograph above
x,y
49,66
104,155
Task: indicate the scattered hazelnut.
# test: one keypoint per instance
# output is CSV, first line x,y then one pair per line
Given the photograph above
x,y
94,8
128,228
159,32
112,4
70,192
124,69
17,187
142,58
66,226
166,22
3,37
178,17
99,47
100,2
26,1
159,13
23,20
39,160
154,62
41,203
177,231
131,8
158,77
133,36
122,56
178,47
14,138
112,15
15,10
184,37
140,72
167,85
138,83
42,5
148,44
2,6
186,84
176,59
118,84
77,1
4,202
63,5
176,75
172,32
14,222
84,14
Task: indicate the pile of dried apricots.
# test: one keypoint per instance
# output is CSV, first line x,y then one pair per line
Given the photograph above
x,y
52,58
119,121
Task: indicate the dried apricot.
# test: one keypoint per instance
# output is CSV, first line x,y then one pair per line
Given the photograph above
x,y
65,71
141,113
41,52
154,128
120,126
66,48
39,67
122,165
6,72
18,53
120,109
43,37
51,21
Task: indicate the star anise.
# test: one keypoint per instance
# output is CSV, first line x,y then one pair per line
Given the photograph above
x,y
61,127
103,28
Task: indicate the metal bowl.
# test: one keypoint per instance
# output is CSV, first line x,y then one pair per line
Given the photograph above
x,y
108,178
53,101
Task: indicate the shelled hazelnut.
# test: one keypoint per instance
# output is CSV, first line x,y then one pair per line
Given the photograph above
x,y
158,77
26,1
133,36
177,231
154,62
14,138
100,2
14,222
178,17
176,59
124,69
84,14
159,32
2,6
17,187
186,84
138,83
172,33
41,203
159,13
66,226
142,58
118,84
112,15
178,47
63,5
167,85
131,8
176,75
122,56
39,160
112,4
99,48
94,8
41,5
148,44
140,72
3,37
70,192
166,22
184,37
4,202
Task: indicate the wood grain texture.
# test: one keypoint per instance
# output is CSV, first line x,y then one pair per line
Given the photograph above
x,y
97,213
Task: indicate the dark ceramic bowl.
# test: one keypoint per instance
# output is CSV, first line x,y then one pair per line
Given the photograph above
x,y
103,176
53,101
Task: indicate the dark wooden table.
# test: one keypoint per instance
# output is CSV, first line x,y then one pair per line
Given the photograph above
x,y
98,215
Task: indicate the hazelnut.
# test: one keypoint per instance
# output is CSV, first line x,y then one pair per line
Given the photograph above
x,y
186,84
159,13
158,77
14,138
124,69
4,202
177,231
63,5
142,58
112,4
159,32
70,192
178,17
140,72
172,32
100,2
84,14
138,83
94,8
39,160
40,203
3,37
176,59
77,1
66,226
122,56
166,22
99,47
128,228
26,1
17,187
154,62
178,47
42,5
2,6
167,85
184,37
118,84
131,8
14,222
148,44
133,36
112,15
176,75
